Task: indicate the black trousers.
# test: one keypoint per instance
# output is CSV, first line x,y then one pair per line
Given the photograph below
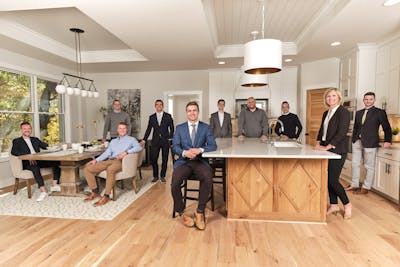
x,y
35,169
335,189
202,172
155,152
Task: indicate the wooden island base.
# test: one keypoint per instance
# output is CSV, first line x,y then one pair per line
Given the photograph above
x,y
277,189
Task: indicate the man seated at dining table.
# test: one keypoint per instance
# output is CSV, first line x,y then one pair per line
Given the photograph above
x,y
111,161
27,144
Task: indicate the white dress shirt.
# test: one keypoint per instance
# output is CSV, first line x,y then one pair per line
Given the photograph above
x,y
221,117
328,117
29,143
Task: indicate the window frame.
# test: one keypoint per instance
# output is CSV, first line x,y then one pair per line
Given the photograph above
x,y
35,104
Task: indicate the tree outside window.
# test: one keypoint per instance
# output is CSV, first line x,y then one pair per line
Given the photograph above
x,y
17,104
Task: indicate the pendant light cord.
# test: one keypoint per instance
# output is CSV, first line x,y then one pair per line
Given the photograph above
x,y
78,54
263,19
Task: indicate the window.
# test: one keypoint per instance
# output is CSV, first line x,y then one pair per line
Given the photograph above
x,y
28,98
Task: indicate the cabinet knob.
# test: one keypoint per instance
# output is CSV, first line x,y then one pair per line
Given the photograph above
x,y
389,154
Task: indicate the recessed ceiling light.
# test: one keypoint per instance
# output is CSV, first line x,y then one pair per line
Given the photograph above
x,y
391,2
336,43
221,62
288,60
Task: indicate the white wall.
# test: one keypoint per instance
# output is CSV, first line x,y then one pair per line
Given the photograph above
x,y
317,74
153,85
226,84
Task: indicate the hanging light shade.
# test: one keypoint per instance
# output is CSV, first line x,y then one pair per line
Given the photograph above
x,y
252,80
70,90
61,89
263,56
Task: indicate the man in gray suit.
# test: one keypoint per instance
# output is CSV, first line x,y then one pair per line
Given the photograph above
x,y
220,122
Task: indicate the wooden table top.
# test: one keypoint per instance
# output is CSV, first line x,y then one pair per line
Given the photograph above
x,y
68,155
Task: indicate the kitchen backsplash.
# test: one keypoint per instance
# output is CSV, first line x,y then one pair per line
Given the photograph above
x,y
394,120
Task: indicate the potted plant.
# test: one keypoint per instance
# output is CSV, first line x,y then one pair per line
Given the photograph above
x,y
395,131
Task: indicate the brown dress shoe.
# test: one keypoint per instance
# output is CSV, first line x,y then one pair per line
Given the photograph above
x,y
350,188
102,201
362,191
91,197
187,220
200,221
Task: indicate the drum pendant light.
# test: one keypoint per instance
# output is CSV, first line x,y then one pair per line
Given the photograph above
x,y
252,80
263,56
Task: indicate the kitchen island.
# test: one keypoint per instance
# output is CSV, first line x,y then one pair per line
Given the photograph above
x,y
281,181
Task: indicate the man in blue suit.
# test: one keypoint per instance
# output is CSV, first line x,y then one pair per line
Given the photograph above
x,y
191,139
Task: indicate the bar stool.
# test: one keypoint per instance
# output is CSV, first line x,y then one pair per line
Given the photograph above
x,y
187,189
219,173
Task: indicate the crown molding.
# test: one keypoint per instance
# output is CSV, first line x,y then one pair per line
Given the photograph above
x,y
29,37
111,56
327,13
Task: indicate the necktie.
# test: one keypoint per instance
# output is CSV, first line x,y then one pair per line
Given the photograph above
x,y
193,133
364,116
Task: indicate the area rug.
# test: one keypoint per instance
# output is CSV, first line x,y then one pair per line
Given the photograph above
x,y
70,207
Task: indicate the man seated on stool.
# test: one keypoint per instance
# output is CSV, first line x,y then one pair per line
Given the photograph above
x,y
26,144
111,161
191,139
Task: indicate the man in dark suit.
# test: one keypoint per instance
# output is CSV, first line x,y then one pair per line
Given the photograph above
x,y
220,122
366,141
191,139
163,129
31,145
291,128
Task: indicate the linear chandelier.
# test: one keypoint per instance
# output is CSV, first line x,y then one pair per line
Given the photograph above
x,y
65,86
262,56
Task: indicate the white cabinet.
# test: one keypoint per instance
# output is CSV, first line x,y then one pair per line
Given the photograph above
x,y
387,84
387,173
348,73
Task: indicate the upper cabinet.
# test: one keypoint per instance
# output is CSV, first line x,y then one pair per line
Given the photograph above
x,y
388,76
348,73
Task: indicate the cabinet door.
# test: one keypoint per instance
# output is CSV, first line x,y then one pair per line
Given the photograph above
x,y
380,175
393,179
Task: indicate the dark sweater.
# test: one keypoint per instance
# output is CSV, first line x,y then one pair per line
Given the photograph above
x,y
291,125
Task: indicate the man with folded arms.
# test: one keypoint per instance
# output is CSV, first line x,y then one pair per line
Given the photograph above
x,y
253,122
111,161
365,141
27,144
191,139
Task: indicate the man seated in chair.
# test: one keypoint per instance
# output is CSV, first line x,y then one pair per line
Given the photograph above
x,y
26,144
191,139
111,161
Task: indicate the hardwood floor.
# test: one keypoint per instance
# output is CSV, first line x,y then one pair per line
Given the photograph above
x,y
146,234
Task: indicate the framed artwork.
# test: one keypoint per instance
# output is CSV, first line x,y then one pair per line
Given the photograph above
x,y
130,101
242,104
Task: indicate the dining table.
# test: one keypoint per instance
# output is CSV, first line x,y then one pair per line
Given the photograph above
x,y
70,162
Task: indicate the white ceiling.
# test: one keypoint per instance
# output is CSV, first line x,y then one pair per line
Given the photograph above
x,y
151,35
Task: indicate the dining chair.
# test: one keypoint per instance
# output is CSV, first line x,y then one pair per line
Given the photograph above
x,y
19,173
129,170
140,162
